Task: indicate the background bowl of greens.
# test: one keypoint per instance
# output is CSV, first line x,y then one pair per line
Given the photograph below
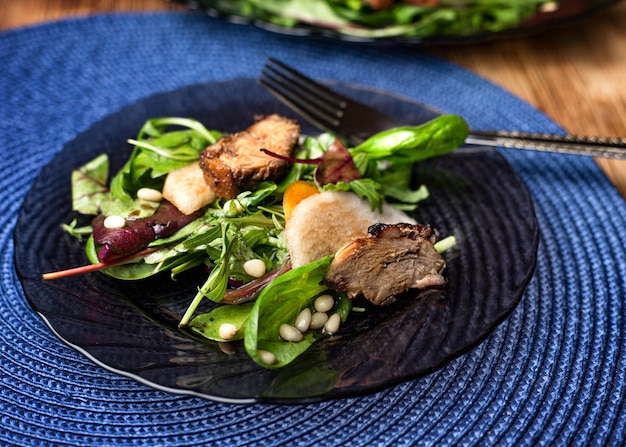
x,y
411,22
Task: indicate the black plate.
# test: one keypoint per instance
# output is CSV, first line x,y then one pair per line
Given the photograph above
x,y
569,11
130,327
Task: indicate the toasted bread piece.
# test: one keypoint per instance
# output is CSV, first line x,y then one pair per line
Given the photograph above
x,y
323,223
186,189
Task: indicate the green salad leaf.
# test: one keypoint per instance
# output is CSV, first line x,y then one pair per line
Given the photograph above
x,y
280,302
208,324
411,144
226,234
159,150
89,185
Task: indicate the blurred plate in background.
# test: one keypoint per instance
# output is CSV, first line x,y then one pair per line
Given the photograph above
x,y
448,22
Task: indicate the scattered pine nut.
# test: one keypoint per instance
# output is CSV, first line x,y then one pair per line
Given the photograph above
x,y
113,222
149,194
289,333
549,7
318,319
255,268
303,321
267,357
227,331
332,325
324,303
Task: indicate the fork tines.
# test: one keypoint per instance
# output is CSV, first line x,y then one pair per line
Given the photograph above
x,y
315,102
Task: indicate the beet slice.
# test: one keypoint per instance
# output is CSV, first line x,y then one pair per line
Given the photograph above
x,y
138,233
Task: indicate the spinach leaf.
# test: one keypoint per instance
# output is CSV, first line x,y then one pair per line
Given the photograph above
x,y
208,324
411,144
281,302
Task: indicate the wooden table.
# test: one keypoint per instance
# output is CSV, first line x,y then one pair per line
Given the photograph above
x,y
576,75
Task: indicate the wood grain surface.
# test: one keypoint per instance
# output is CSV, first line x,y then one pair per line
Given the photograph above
x,y
575,74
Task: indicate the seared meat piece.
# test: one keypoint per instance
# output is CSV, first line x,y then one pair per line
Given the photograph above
x,y
389,261
235,163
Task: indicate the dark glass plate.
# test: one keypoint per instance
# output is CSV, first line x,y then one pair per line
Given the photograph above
x,y
569,11
131,327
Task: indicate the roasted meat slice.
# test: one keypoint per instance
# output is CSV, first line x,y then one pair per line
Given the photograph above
x,y
235,163
389,261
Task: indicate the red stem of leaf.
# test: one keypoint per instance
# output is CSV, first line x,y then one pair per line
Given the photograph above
x,y
95,267
306,161
250,290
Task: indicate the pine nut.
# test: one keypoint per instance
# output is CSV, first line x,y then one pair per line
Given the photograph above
x,y
324,303
227,331
318,319
255,268
549,7
289,333
149,194
113,222
332,325
267,357
303,321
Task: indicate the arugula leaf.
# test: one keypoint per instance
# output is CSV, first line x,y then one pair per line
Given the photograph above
x,y
215,285
365,188
78,232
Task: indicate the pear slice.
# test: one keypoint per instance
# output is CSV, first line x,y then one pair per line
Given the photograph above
x,y
323,223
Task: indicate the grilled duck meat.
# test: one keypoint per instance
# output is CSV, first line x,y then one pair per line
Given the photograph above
x,y
389,261
235,163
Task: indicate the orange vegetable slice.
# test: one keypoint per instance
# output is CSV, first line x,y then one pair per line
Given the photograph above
x,y
296,193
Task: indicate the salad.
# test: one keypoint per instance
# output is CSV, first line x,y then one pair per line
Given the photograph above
x,y
175,206
373,19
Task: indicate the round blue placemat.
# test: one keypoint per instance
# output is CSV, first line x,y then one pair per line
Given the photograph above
x,y
553,373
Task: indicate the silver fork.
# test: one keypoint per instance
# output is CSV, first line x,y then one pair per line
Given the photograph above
x,y
331,112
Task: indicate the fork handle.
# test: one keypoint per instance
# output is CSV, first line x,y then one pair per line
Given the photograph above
x,y
566,144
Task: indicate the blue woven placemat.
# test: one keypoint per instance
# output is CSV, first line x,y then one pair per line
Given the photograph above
x,y
553,373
